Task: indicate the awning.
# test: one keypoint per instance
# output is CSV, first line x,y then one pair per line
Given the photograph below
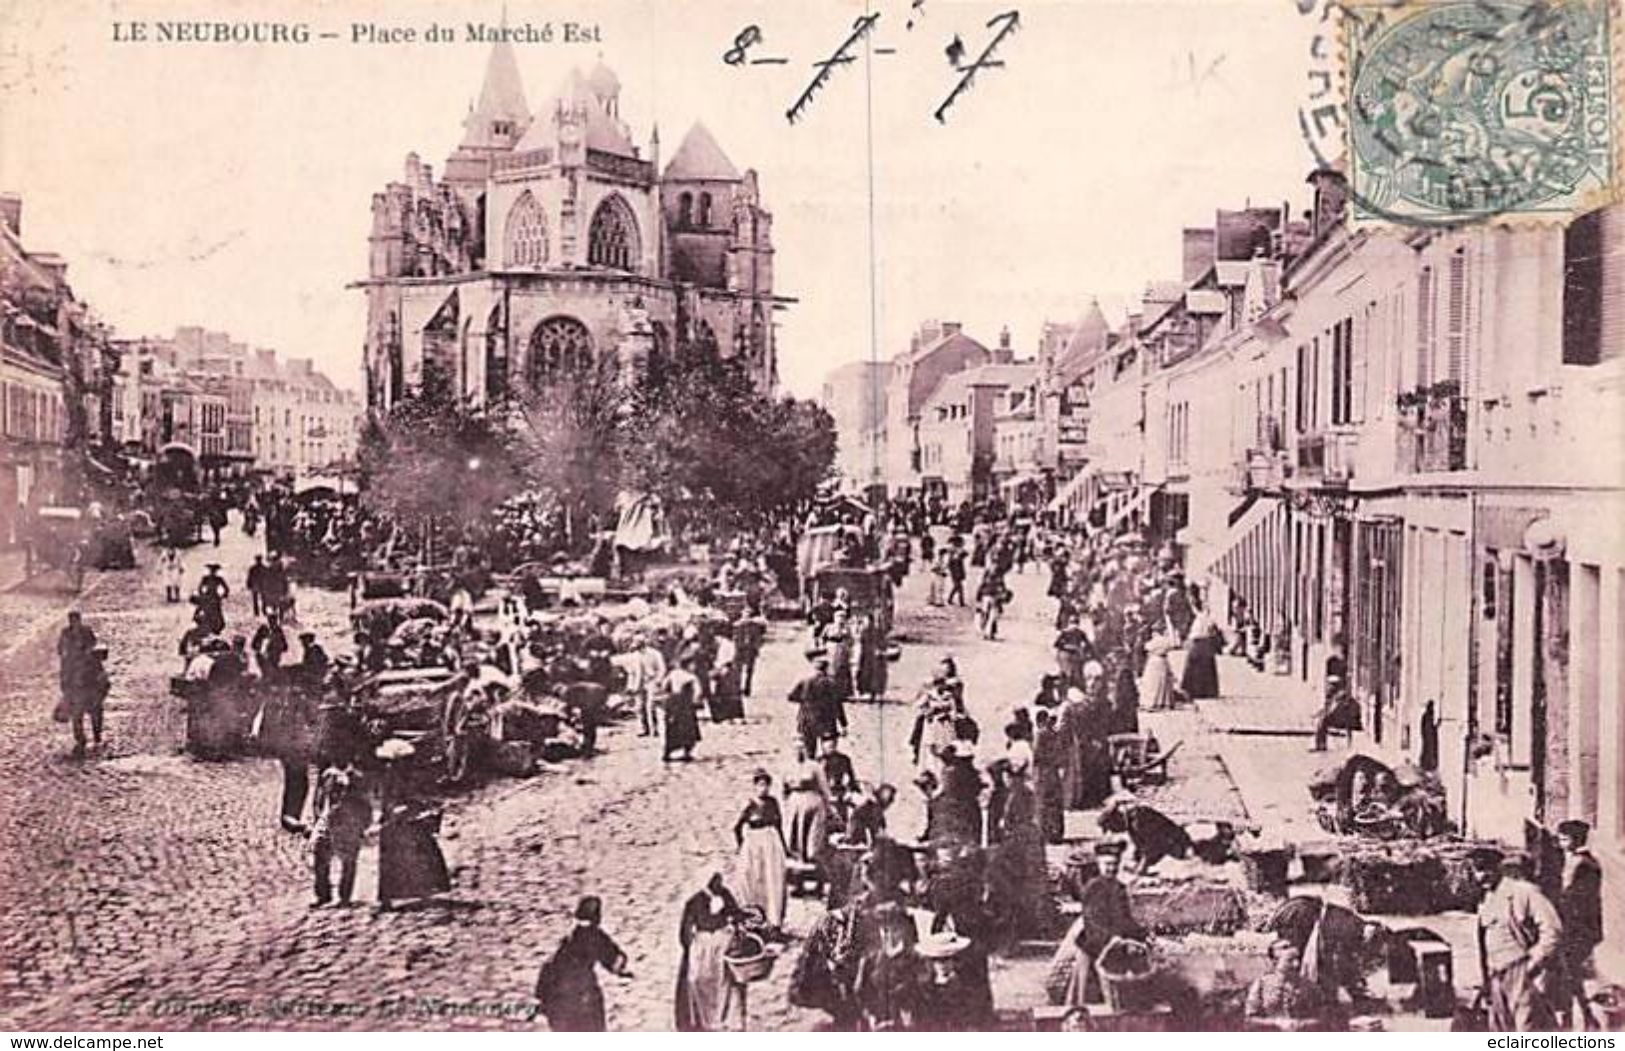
x,y
1075,493
1246,547
1128,508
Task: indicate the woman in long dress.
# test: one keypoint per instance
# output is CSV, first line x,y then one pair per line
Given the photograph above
x,y
872,669
1200,679
760,875
682,688
1157,680
808,805
567,986
410,864
704,932
838,643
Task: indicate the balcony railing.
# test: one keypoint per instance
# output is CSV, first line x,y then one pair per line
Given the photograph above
x,y
1433,436
1262,470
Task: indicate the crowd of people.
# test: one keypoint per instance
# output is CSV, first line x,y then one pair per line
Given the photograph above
x,y
908,925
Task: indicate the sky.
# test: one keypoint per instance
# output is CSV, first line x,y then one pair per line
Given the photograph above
x,y
228,185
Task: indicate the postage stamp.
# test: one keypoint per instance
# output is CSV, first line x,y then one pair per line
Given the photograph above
x,y
1471,110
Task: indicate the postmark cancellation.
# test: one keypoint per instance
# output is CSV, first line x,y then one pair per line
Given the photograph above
x,y
1473,111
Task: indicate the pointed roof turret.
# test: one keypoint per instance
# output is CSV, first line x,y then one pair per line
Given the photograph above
x,y
700,158
605,130
501,104
603,81
1090,333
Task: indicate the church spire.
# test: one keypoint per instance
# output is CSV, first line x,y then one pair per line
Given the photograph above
x,y
501,115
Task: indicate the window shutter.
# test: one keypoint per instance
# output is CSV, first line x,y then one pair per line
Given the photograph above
x,y
1425,306
1362,362
1456,317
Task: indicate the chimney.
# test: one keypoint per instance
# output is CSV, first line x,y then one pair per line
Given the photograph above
x,y
1331,201
1004,355
1200,246
950,328
11,213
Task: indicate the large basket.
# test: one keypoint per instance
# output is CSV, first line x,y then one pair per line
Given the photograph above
x,y
744,970
1124,989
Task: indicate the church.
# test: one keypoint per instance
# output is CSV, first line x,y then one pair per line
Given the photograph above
x,y
552,244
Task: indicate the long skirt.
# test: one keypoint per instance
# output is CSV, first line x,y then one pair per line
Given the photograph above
x,y
727,701
702,983
410,864
759,873
1201,677
872,670
808,819
682,725
1156,683
1051,792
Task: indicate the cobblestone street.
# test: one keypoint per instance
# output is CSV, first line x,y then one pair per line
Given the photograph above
x,y
145,887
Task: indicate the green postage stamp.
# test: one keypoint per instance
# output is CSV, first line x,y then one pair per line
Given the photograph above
x,y
1469,110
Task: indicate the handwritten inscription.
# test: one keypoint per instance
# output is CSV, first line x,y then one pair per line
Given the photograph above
x,y
1007,23
843,54
747,46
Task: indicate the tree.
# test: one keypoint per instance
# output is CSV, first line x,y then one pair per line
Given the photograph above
x,y
566,439
433,461
721,455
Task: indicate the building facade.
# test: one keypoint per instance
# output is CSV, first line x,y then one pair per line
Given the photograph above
x,y
552,243
1405,446
56,368
235,408
855,396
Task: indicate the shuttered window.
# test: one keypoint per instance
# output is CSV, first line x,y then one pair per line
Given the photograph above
x,y
1300,410
1456,317
1583,292
1360,355
1426,305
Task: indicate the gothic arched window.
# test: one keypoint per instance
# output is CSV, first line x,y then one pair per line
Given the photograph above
x,y
612,239
705,210
685,210
560,347
526,236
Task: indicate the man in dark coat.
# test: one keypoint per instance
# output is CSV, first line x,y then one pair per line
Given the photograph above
x,y
1579,904
256,582
818,700
1104,909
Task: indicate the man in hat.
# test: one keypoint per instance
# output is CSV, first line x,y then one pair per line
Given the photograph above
x,y
86,694
818,700
256,582
1579,905
1519,936
567,986
1104,914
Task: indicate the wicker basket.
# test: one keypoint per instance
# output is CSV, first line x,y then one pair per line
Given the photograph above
x,y
744,970
1126,990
